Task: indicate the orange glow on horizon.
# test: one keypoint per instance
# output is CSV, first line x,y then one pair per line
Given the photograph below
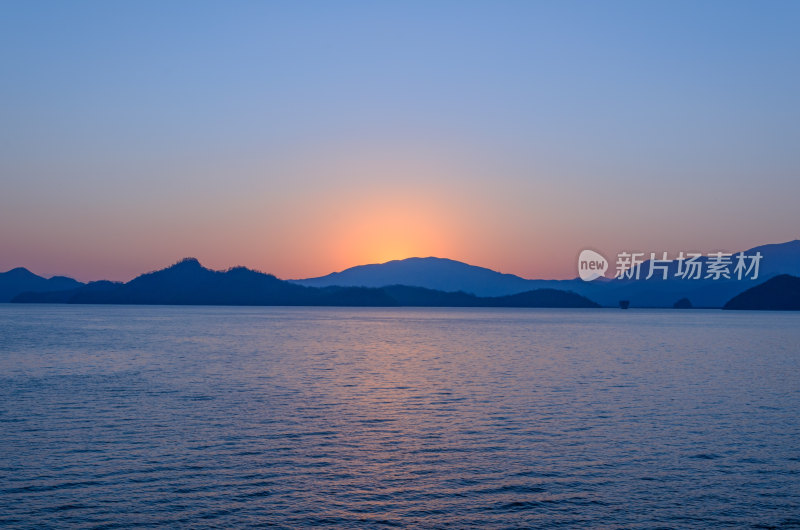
x,y
395,230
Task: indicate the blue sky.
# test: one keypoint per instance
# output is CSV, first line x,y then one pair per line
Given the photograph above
x,y
301,138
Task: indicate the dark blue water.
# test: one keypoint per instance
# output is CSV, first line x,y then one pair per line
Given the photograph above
x,y
235,417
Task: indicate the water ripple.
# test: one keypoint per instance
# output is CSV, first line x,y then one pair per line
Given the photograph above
x,y
137,417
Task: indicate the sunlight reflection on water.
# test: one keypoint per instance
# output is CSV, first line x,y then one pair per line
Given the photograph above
x,y
209,416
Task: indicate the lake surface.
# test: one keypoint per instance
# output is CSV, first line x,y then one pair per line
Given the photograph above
x,y
114,416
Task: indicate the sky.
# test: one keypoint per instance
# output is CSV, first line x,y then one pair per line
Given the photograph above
x,y
302,138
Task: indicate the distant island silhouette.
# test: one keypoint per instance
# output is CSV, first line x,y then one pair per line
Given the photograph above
x,y
429,281
781,293
20,280
189,283
450,275
683,303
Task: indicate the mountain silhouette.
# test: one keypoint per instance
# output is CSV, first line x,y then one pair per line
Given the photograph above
x,y
189,283
781,293
431,273
422,297
781,258
22,280
453,276
451,283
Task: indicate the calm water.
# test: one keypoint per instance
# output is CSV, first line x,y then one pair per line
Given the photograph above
x,y
214,417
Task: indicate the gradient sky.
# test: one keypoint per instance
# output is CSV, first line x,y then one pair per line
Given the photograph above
x,y
300,138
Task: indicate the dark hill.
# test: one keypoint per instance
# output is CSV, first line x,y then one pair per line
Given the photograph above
x,y
453,276
431,273
189,283
543,298
22,280
781,293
